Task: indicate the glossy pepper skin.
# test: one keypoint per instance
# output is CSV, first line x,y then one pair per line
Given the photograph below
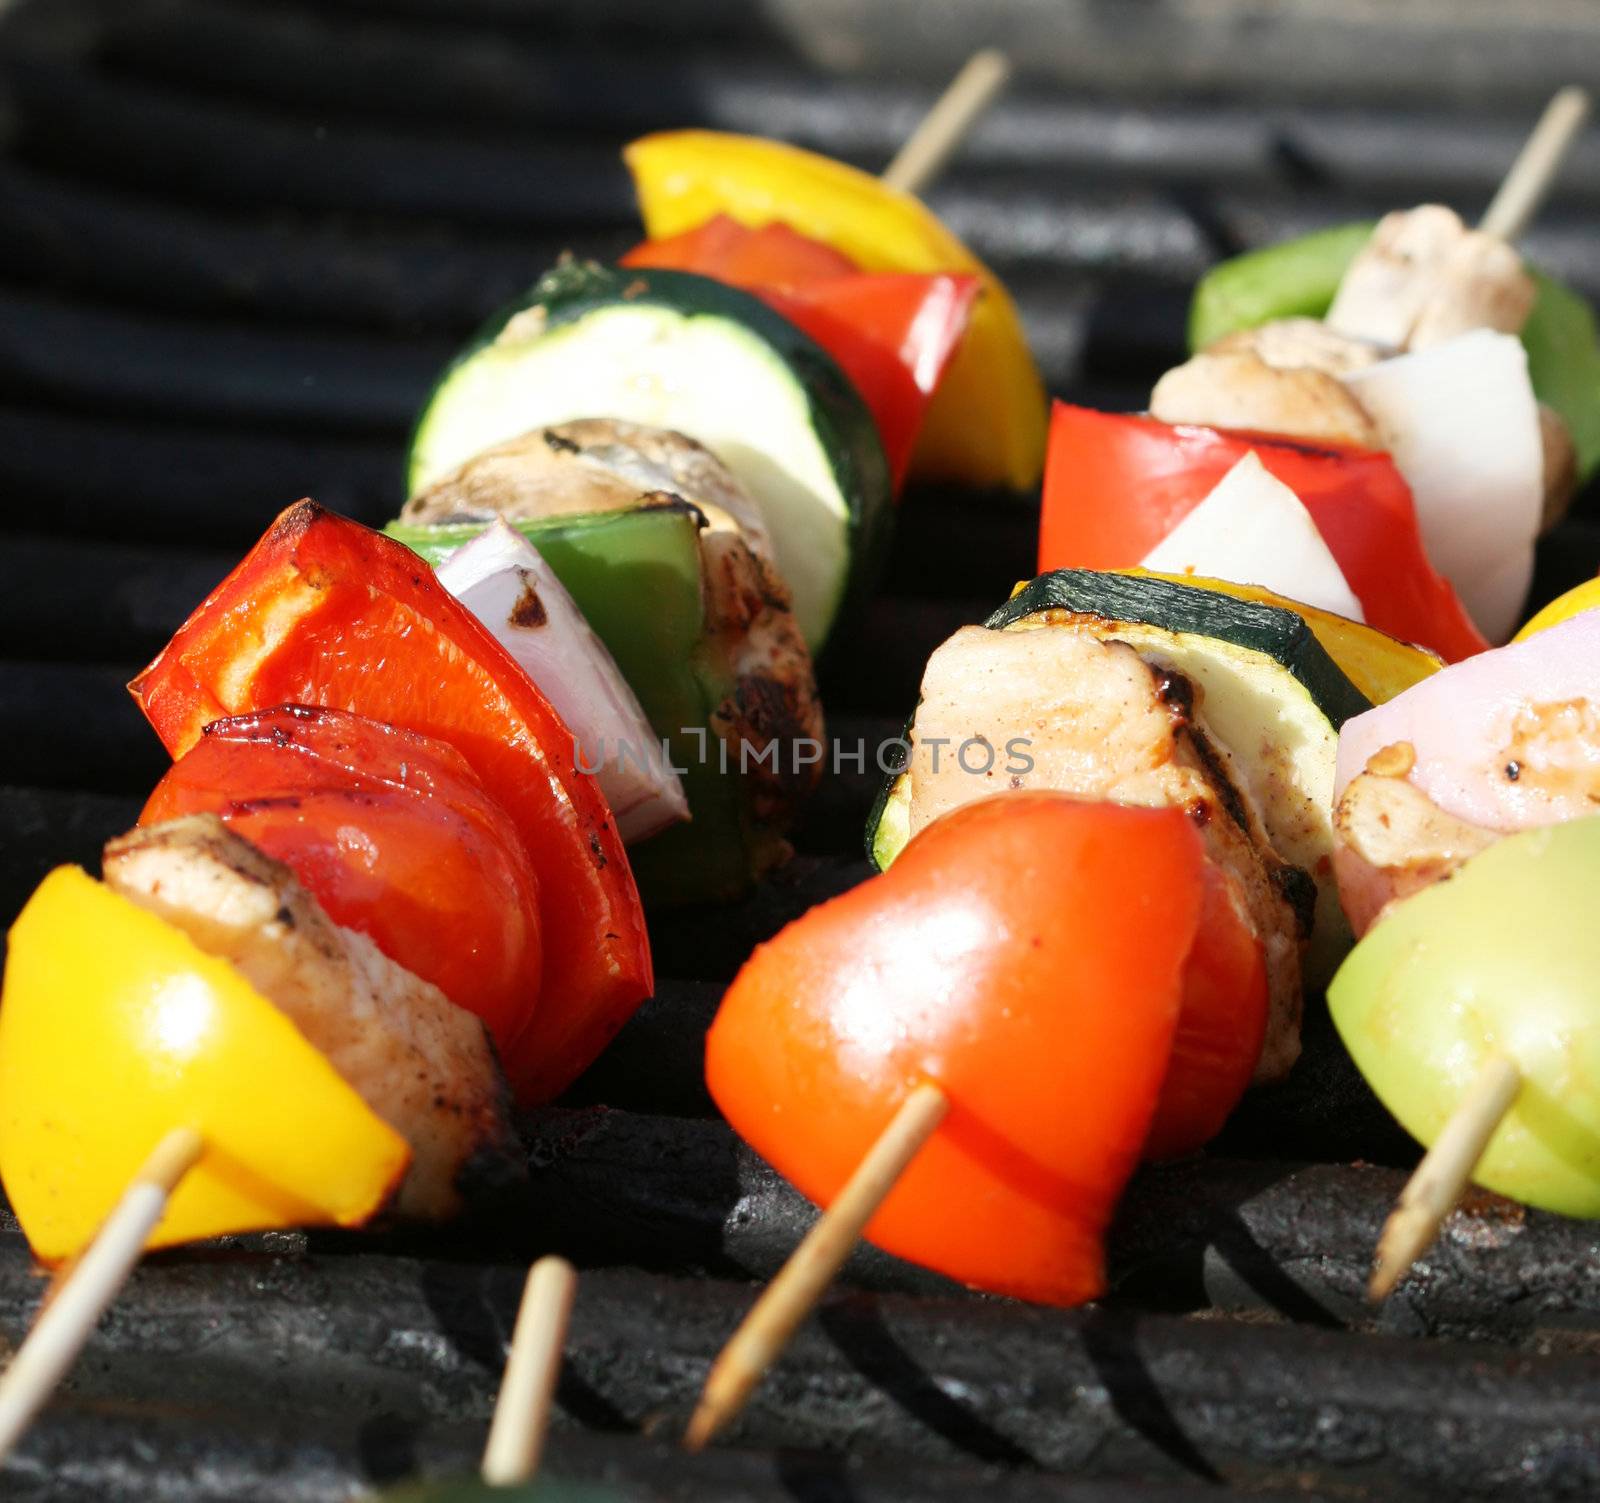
x,y
114,1029
1502,958
323,611
986,425
637,577
1117,483
1025,953
1222,1023
394,836
892,333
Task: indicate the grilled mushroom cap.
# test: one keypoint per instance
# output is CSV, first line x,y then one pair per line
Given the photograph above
x,y
603,464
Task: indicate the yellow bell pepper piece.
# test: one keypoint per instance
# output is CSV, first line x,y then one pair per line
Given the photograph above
x,y
115,1028
1575,602
1379,665
986,424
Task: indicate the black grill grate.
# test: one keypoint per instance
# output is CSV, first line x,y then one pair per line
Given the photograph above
x,y
237,240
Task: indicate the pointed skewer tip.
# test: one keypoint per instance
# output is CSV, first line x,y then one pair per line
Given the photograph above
x,y
533,1365
801,1282
76,1301
1434,1188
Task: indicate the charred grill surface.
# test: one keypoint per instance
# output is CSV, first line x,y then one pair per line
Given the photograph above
x,y
237,243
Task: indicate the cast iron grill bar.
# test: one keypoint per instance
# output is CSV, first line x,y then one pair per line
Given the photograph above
x,y
474,81
237,240
79,1454
1096,1393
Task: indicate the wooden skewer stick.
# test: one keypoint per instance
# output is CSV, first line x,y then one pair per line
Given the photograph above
x,y
789,1298
933,142
69,1318
1433,1190
1534,172
522,1412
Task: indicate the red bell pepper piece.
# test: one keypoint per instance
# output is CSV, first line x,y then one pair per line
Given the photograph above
x,y
1115,484
394,836
893,334
1027,953
1222,1024
323,611
772,256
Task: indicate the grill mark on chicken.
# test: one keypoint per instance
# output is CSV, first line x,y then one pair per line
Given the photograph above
x,y
424,1065
1103,722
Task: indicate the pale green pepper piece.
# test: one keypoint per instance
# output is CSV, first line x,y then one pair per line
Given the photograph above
x,y
1503,957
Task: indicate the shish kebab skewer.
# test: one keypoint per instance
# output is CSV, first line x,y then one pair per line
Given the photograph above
x,y
93,1282
770,1325
1418,356
794,1292
1446,1169
232,1013
1485,778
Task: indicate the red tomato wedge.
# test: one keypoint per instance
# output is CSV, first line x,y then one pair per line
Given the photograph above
x,y
1115,484
324,611
392,833
1027,954
1222,1024
892,333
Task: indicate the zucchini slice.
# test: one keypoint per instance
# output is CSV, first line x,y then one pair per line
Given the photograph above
x,y
1272,696
673,350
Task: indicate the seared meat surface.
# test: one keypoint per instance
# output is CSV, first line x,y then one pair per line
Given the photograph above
x,y
1392,840
420,1062
1094,718
752,640
1299,344
1242,391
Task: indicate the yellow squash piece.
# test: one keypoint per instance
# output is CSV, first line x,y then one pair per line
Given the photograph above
x,y
1575,602
114,1029
986,424
1379,665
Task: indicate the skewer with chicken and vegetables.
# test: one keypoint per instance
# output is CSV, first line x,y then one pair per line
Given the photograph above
x,y
1394,461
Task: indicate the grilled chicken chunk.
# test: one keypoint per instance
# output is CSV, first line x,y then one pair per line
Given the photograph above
x,y
602,464
1093,718
1424,277
420,1062
1241,390
1391,839
1300,344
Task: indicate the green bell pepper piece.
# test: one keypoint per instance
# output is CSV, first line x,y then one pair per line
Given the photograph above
x,y
1299,278
1503,957
636,576
1296,279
